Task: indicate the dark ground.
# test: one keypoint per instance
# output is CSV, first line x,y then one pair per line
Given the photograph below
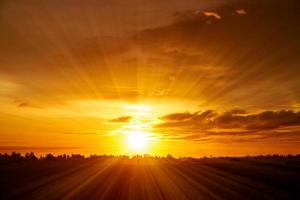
x,y
153,179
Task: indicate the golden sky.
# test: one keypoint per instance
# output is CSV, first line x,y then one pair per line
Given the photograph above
x,y
191,78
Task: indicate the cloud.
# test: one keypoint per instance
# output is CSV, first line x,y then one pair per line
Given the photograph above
x,y
236,111
241,12
237,123
122,119
23,104
26,104
234,119
261,121
178,116
186,119
212,14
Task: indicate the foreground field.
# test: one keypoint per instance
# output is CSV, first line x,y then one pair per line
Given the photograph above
x,y
152,178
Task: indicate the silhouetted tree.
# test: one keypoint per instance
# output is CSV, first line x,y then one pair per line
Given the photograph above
x,y
16,156
49,156
30,156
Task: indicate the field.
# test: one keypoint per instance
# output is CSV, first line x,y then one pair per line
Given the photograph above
x,y
152,178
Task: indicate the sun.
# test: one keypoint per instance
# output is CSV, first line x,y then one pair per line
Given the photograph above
x,y
137,141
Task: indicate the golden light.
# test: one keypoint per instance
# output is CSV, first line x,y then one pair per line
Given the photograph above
x,y
137,141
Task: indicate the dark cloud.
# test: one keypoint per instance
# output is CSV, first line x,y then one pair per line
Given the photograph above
x,y
179,116
187,119
261,121
236,111
267,124
234,119
23,104
122,119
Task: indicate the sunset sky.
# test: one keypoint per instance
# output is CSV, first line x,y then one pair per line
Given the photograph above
x,y
190,77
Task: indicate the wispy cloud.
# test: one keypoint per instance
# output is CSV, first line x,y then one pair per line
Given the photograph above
x,y
23,104
212,14
122,119
241,11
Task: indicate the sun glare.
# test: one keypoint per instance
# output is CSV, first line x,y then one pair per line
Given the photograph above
x,y
137,141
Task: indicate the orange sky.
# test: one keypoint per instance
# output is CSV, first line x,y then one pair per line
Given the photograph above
x,y
194,77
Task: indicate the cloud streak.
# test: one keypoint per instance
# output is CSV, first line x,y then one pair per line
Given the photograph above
x,y
241,12
212,14
237,122
233,119
122,119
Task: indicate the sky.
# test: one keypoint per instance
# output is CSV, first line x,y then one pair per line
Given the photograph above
x,y
188,78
